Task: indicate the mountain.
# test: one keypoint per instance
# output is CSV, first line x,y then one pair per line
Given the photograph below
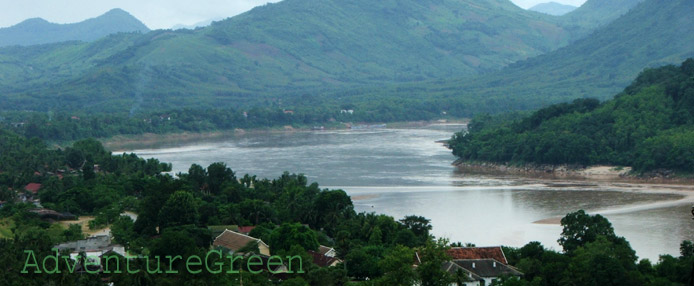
x,y
553,8
596,13
652,34
39,31
294,46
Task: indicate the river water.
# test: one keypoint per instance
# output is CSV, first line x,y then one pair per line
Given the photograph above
x,y
401,172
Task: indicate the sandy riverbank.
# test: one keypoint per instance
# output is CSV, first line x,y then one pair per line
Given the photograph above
x,y
684,191
595,173
593,177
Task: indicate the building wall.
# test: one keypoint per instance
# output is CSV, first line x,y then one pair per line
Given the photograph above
x,y
264,250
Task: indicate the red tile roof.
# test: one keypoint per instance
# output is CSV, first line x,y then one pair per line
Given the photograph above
x,y
33,187
246,229
478,253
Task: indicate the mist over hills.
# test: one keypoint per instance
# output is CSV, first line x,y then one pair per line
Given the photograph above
x,y
553,8
39,31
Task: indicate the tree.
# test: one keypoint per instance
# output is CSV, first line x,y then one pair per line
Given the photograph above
x,y
419,225
397,267
331,207
196,176
73,232
289,234
362,262
581,228
433,255
218,174
603,262
178,210
123,230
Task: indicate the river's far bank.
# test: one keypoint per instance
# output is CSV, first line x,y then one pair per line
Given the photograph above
x,y
595,173
154,140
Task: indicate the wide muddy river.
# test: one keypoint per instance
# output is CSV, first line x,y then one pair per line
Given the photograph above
x,y
404,171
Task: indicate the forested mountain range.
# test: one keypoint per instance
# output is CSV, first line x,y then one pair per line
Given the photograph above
x,y
652,34
280,52
39,31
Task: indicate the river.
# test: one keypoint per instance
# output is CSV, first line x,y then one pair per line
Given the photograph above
x,y
404,171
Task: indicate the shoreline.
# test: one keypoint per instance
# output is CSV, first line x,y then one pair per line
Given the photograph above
x,y
135,141
603,177
593,173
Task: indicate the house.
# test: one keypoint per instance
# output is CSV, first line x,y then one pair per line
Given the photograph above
x,y
462,276
33,188
489,270
91,243
291,112
216,230
327,251
493,252
235,241
246,229
323,260
95,249
95,246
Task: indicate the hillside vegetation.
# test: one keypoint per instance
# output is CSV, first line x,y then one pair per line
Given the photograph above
x,y
648,126
652,34
278,52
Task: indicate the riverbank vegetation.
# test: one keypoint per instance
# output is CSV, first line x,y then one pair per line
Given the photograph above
x,y
70,126
175,213
176,216
648,126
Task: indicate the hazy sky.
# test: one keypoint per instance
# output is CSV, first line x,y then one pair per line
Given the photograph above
x,y
156,14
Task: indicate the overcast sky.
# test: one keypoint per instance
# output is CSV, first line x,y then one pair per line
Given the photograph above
x,y
156,14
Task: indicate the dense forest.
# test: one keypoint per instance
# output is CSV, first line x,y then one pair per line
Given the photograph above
x,y
648,127
175,215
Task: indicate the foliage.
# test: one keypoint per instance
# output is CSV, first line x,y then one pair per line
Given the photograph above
x,y
178,210
288,235
648,126
581,228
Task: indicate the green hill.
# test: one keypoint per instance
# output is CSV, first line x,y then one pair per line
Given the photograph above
x,y
380,57
292,47
39,31
654,33
648,126
596,13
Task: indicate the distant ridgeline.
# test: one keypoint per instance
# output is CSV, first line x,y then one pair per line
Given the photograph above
x,y
649,126
301,53
39,31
